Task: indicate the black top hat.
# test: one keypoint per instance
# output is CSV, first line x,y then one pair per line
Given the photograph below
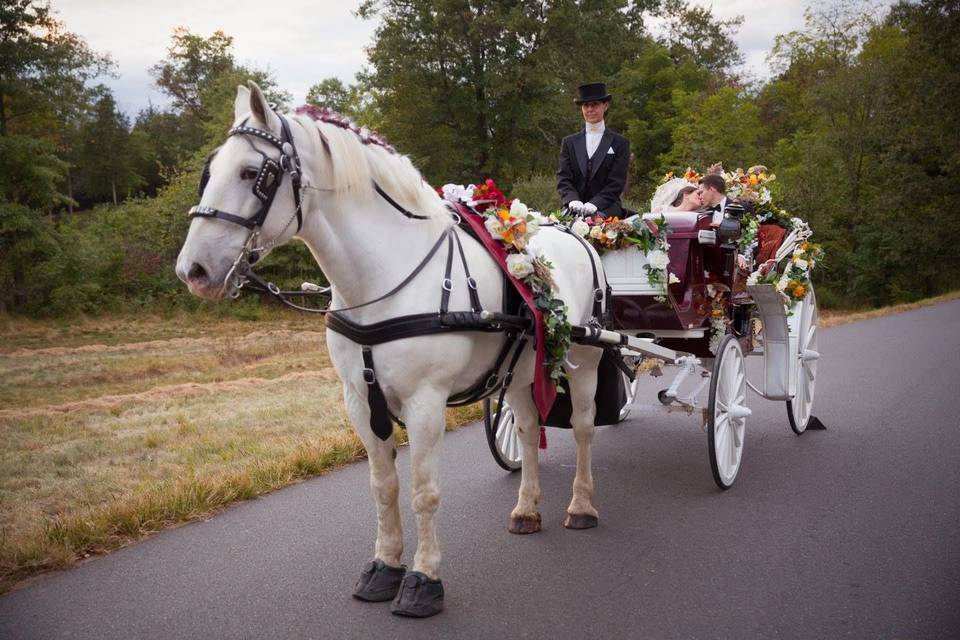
x,y
593,91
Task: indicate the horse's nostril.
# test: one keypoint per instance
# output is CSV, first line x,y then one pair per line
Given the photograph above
x,y
197,272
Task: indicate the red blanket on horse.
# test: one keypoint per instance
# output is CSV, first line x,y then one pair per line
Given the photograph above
x,y
544,390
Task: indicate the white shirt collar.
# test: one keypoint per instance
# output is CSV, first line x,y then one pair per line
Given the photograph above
x,y
599,127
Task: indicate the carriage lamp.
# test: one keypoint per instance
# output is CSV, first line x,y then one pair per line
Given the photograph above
x,y
729,230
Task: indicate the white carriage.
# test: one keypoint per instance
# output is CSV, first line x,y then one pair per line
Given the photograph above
x,y
651,331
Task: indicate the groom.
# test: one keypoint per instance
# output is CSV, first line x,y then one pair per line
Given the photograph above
x,y
593,161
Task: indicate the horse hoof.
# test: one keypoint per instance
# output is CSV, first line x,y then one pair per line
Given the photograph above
x,y
580,521
419,596
378,582
525,524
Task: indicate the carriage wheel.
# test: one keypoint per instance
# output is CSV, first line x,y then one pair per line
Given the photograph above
x,y
798,409
504,441
727,412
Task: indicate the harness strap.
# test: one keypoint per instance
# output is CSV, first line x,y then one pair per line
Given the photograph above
x,y
447,284
406,212
379,411
508,378
471,283
598,293
421,324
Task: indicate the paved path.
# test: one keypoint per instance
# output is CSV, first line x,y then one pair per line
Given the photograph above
x,y
850,532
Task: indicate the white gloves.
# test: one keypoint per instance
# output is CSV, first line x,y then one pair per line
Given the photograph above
x,y
583,208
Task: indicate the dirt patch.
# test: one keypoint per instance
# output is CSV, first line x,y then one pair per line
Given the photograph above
x,y
155,344
106,403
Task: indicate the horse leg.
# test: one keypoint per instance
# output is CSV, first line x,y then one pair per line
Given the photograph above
x,y
583,385
380,578
421,594
525,518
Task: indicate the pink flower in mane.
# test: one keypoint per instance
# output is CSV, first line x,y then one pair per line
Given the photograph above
x,y
323,114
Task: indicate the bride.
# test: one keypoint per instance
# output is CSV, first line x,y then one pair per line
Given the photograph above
x,y
676,195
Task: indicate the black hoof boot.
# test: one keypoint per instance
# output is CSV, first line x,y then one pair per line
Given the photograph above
x,y
580,521
378,582
419,597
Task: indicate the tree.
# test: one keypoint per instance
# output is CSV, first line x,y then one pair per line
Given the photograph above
x,y
105,156
694,34
490,79
190,64
332,94
43,69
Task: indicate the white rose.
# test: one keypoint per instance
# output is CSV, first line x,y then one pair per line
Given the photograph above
x,y
580,228
611,234
673,279
658,259
596,233
494,228
533,225
518,209
519,265
801,264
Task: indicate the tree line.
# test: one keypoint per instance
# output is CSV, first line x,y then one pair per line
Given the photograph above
x,y
857,121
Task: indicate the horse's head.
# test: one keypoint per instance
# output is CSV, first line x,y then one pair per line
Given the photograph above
x,y
249,199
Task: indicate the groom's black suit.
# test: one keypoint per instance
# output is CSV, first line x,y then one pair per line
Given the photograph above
x,y
599,179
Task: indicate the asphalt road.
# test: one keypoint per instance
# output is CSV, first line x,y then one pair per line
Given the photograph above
x,y
850,532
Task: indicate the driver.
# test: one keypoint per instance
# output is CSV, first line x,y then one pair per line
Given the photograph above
x,y
593,161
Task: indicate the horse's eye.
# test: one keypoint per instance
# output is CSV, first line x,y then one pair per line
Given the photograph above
x,y
248,174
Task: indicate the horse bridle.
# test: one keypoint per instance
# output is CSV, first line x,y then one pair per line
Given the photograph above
x,y
265,186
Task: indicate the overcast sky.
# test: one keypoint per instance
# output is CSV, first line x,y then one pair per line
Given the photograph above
x,y
303,41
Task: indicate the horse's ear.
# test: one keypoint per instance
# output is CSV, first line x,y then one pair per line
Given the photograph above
x,y
261,110
241,105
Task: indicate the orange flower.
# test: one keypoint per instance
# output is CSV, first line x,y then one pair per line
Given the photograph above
x,y
716,313
799,292
504,215
753,180
520,227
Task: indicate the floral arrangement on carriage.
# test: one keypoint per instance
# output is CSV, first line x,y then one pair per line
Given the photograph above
x,y
513,224
788,270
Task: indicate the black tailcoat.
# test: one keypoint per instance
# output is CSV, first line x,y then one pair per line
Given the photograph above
x,y
599,179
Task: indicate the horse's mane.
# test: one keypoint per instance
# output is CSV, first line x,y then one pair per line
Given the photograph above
x,y
360,157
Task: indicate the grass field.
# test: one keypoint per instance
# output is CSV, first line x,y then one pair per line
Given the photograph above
x,y
114,428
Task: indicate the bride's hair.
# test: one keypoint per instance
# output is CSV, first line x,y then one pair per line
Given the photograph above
x,y
679,199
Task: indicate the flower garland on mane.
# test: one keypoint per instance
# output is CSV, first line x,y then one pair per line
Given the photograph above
x,y
514,224
322,114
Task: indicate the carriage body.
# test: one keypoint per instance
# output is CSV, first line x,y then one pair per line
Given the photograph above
x,y
710,356
680,319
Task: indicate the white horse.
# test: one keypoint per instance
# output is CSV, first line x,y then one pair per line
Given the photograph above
x,y
365,247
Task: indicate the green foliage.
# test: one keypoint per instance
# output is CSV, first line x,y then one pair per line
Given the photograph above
x,y
539,192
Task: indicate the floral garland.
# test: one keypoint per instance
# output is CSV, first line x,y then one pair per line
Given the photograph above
x,y
650,236
514,224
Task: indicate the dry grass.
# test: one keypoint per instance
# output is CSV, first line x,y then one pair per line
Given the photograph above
x,y
837,318
110,434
